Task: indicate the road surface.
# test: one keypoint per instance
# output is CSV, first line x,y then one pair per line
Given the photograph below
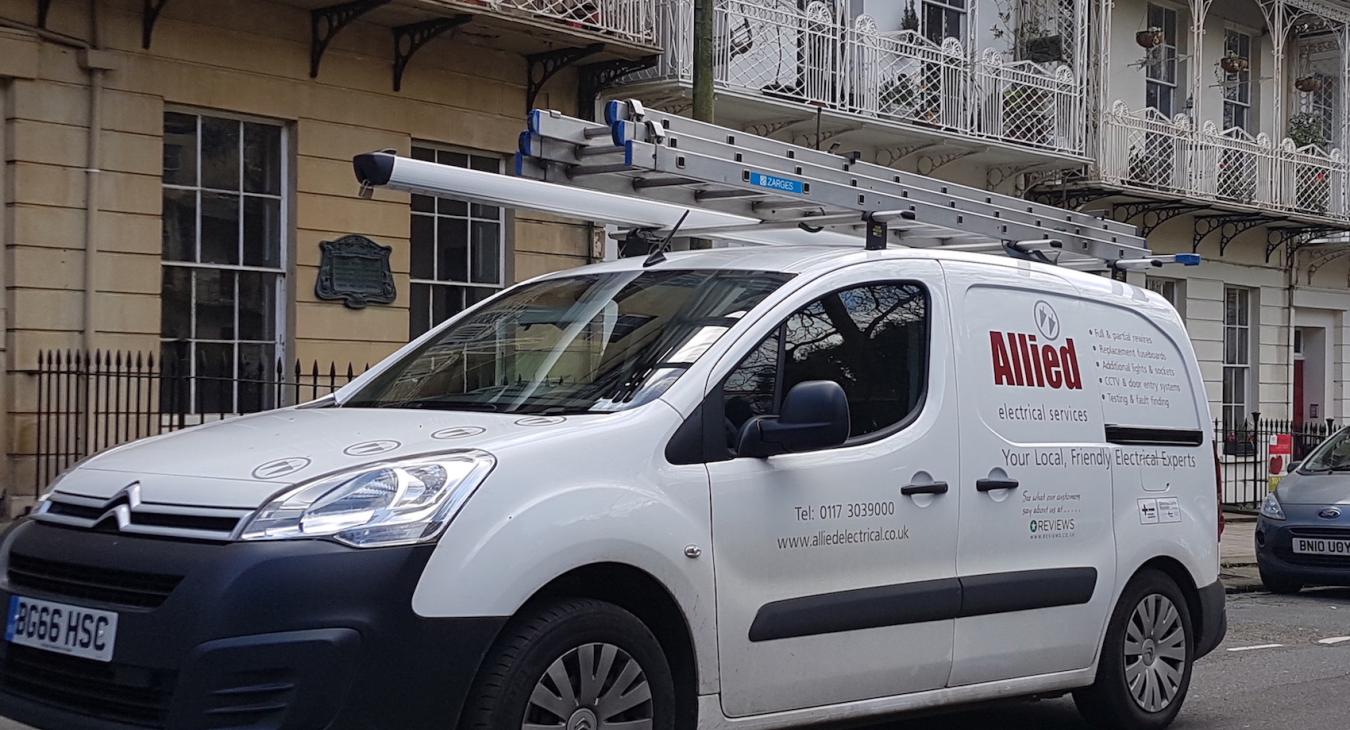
x,y
1285,663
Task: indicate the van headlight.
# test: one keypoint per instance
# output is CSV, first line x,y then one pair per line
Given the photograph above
x,y
395,503
1271,509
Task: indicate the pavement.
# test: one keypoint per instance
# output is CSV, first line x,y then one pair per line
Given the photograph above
x,y
1237,555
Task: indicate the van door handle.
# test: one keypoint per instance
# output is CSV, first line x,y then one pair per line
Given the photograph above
x,y
929,488
991,485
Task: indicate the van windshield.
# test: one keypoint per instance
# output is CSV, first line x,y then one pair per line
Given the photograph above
x,y
578,344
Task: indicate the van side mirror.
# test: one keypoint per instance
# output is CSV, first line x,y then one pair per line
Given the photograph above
x,y
815,416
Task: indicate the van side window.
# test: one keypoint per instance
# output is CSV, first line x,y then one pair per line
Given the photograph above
x,y
872,340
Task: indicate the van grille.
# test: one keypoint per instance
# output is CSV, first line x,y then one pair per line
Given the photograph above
x,y
126,513
122,587
118,693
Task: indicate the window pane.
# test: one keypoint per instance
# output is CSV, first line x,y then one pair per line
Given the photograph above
x,y
423,203
485,164
487,239
423,246
262,158
175,368
1243,347
452,250
220,228
257,376
450,206
419,309
446,301
215,304
751,389
220,153
476,294
215,378
262,232
446,157
257,306
180,149
873,341
425,154
179,225
1228,385
175,303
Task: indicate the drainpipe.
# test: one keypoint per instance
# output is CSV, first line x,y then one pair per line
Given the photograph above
x,y
93,61
1291,279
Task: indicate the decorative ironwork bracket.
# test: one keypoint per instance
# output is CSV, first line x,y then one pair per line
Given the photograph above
x,y
1293,237
929,164
596,77
43,7
543,66
1325,259
1154,214
409,39
326,22
1228,226
1071,199
770,128
893,156
149,16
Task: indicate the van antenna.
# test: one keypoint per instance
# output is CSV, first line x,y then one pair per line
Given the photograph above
x,y
658,252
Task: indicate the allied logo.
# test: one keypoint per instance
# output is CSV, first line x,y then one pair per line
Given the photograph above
x,y
278,468
1047,321
1330,513
371,448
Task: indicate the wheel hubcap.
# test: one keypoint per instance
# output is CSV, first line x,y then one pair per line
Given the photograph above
x,y
1155,653
591,687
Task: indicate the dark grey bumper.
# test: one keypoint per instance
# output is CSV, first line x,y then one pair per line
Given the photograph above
x,y
1212,622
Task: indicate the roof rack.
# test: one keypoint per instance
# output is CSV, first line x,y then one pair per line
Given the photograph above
x,y
644,170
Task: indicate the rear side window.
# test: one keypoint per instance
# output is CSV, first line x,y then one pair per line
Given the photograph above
x,y
872,340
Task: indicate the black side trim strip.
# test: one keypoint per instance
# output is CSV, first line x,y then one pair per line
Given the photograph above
x,y
864,608
1148,436
918,602
985,595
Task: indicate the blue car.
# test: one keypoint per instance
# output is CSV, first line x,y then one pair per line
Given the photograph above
x,y
1303,532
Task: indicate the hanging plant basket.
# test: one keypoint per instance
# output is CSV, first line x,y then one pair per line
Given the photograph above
x,y
1149,38
1234,63
1308,84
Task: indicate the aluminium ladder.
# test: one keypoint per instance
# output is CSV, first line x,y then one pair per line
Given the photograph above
x,y
643,170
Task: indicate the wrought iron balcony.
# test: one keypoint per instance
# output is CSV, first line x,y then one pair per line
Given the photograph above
x,y
1147,151
892,82
625,21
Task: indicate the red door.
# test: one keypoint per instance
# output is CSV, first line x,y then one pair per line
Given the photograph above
x,y
1298,391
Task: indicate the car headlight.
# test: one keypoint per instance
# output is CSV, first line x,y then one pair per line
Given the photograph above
x,y
395,503
1271,509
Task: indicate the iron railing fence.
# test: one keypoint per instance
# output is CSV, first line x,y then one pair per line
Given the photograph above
x,y
1147,150
1245,459
633,21
825,56
88,402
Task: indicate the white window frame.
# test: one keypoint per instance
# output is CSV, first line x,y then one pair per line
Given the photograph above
x,y
1236,358
1173,290
1236,84
959,7
282,297
469,218
1168,54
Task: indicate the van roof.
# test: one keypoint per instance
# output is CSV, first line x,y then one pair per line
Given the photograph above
x,y
819,259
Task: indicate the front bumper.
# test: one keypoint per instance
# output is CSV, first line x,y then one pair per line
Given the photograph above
x,y
267,636
1275,554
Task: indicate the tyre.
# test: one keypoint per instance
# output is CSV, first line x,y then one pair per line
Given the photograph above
x,y
574,664
1145,666
1279,584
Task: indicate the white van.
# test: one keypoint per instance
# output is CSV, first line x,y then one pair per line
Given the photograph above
x,y
738,488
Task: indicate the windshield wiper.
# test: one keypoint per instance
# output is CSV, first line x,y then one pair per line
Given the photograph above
x,y
432,404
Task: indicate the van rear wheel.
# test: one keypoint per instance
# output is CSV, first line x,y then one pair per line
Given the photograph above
x,y
1145,667
575,664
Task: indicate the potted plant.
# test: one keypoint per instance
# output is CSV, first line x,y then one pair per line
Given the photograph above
x,y
1150,37
1308,84
1233,63
1305,128
910,20
1313,184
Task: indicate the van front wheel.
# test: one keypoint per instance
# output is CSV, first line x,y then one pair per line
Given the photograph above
x,y
576,664
1145,667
